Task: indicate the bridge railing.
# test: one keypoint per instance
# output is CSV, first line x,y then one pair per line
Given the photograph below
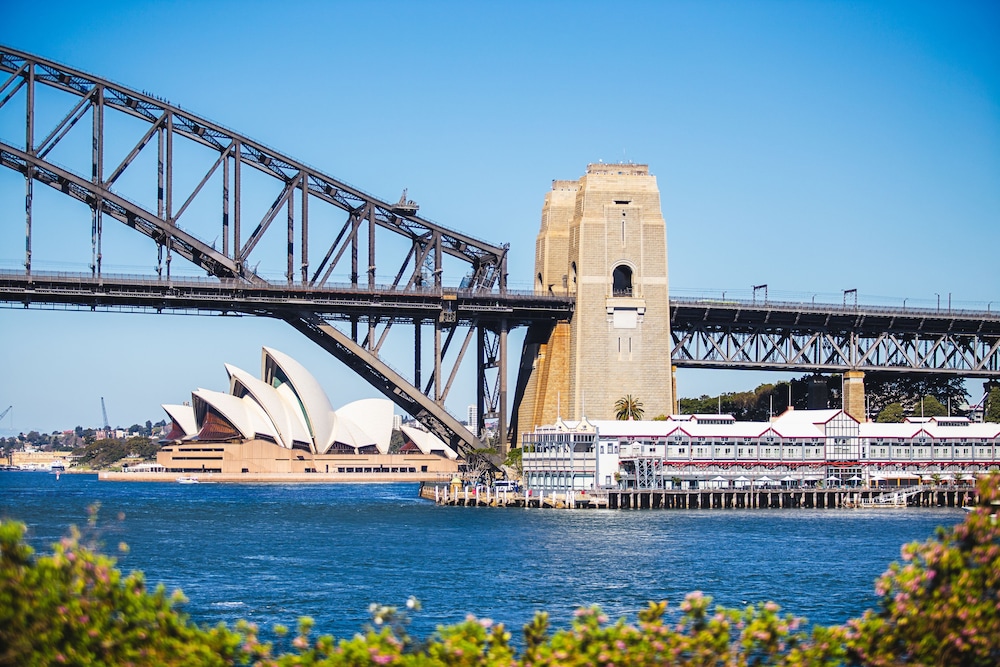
x,y
827,307
229,284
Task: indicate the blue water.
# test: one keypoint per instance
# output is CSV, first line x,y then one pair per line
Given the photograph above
x,y
270,553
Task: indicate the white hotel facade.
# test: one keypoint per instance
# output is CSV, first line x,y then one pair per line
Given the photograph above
x,y
798,448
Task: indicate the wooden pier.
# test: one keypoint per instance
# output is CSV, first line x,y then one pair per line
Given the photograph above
x,y
634,499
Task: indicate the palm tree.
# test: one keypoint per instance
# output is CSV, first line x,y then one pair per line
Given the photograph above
x,y
628,408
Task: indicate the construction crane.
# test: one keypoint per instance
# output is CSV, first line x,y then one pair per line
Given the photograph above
x,y
4,413
107,426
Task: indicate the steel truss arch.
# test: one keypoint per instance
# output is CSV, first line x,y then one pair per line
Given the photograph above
x,y
433,250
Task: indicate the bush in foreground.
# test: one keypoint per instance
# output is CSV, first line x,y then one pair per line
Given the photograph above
x,y
941,607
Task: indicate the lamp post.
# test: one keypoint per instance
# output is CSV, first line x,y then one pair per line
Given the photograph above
x,y
938,300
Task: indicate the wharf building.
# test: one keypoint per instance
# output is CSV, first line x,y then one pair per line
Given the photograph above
x,y
603,239
800,448
284,423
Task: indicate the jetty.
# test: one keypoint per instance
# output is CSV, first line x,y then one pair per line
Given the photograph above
x,y
702,499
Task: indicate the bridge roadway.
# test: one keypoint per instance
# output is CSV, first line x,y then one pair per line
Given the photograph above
x,y
708,333
337,302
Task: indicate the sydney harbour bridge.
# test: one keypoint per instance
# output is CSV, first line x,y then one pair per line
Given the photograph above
x,y
352,268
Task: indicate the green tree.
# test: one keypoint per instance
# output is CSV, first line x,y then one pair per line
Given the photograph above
x,y
884,387
628,408
992,407
930,407
515,461
891,414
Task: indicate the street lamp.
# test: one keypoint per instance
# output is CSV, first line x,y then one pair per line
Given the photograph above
x,y
938,300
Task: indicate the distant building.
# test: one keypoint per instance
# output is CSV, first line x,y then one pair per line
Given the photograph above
x,y
473,420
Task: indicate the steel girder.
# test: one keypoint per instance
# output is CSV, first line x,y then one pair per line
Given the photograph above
x,y
825,338
423,265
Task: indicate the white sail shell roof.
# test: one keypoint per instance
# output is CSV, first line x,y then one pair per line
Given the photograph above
x,y
308,393
428,443
245,414
183,416
347,432
374,416
286,416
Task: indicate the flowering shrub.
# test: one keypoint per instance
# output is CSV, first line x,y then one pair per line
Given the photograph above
x,y
940,607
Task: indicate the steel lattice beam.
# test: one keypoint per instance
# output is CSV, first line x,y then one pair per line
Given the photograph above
x,y
313,248
825,338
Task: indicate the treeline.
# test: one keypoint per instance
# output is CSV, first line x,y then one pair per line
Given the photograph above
x,y
889,396
107,452
940,607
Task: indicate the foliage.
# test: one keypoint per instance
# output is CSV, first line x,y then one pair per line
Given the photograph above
x,y
992,406
884,387
105,453
942,606
891,414
515,461
628,408
74,607
928,406
396,442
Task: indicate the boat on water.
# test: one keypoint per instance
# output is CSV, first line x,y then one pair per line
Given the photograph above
x,y
187,479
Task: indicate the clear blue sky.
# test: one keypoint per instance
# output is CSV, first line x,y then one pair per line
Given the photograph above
x,y
812,146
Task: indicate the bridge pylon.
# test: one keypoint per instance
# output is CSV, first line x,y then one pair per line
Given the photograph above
x,y
602,240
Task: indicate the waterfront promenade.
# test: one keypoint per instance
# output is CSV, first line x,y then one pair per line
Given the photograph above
x,y
838,498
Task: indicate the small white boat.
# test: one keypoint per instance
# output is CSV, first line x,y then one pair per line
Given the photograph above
x,y
185,479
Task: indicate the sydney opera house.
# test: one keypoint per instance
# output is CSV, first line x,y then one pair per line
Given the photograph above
x,y
284,423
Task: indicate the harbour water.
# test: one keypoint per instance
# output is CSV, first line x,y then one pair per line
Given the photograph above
x,y
270,553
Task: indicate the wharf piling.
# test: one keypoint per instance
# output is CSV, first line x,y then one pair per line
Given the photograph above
x,y
704,499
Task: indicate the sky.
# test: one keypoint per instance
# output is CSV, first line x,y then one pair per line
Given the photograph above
x,y
811,146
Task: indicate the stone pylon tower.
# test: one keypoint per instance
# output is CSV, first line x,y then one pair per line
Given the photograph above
x,y
602,238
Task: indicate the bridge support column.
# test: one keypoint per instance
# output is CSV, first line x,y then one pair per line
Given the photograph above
x,y
854,395
675,404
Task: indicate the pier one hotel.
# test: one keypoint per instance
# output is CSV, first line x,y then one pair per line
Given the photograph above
x,y
800,448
